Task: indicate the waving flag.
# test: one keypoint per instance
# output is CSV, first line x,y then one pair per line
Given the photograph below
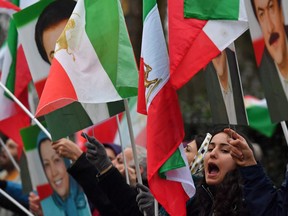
x,y
16,77
193,43
98,68
7,7
221,9
258,115
169,177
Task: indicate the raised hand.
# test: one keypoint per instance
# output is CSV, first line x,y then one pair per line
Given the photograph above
x,y
240,150
96,154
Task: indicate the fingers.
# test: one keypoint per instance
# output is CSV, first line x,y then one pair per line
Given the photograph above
x,y
91,139
142,187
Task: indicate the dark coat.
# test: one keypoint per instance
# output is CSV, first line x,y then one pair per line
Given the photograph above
x,y
85,174
119,192
262,198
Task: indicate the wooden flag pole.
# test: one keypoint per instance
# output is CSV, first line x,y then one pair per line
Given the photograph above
x,y
26,110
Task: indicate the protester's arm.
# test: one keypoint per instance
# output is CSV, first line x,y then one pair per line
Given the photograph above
x,y
85,174
262,198
110,179
119,192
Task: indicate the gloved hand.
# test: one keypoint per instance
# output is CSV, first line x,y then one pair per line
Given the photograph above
x,y
96,154
145,200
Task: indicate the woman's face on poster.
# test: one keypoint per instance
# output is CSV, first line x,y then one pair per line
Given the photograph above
x,y
55,169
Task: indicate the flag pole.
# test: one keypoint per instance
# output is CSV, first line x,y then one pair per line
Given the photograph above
x,y
133,145
9,155
285,131
124,157
26,110
15,202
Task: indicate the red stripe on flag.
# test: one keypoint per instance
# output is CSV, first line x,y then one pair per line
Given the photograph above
x,y
141,103
58,85
39,86
258,46
11,127
8,5
44,191
189,47
23,75
165,132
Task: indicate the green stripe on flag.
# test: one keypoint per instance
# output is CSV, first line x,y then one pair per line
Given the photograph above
x,y
147,7
67,120
174,162
31,13
12,47
116,107
29,136
259,119
112,44
211,9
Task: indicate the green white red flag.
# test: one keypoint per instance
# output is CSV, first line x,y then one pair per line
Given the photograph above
x,y
258,115
101,69
169,177
16,77
193,43
218,10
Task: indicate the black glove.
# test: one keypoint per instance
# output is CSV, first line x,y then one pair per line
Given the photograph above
x,y
145,200
96,154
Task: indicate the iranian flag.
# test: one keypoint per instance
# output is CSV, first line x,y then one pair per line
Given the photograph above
x,y
97,69
8,8
15,77
193,43
169,177
258,115
218,10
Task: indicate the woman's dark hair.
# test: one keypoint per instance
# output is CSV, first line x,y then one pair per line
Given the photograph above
x,y
199,138
53,14
227,197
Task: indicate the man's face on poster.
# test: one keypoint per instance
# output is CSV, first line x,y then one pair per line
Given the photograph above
x,y
271,20
219,63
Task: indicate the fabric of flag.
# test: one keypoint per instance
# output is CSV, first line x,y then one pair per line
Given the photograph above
x,y
75,116
16,77
193,43
209,9
169,177
8,8
109,132
258,115
98,65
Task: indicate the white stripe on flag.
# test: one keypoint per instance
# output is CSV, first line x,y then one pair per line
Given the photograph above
x,y
96,112
159,65
222,33
182,175
35,168
86,64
